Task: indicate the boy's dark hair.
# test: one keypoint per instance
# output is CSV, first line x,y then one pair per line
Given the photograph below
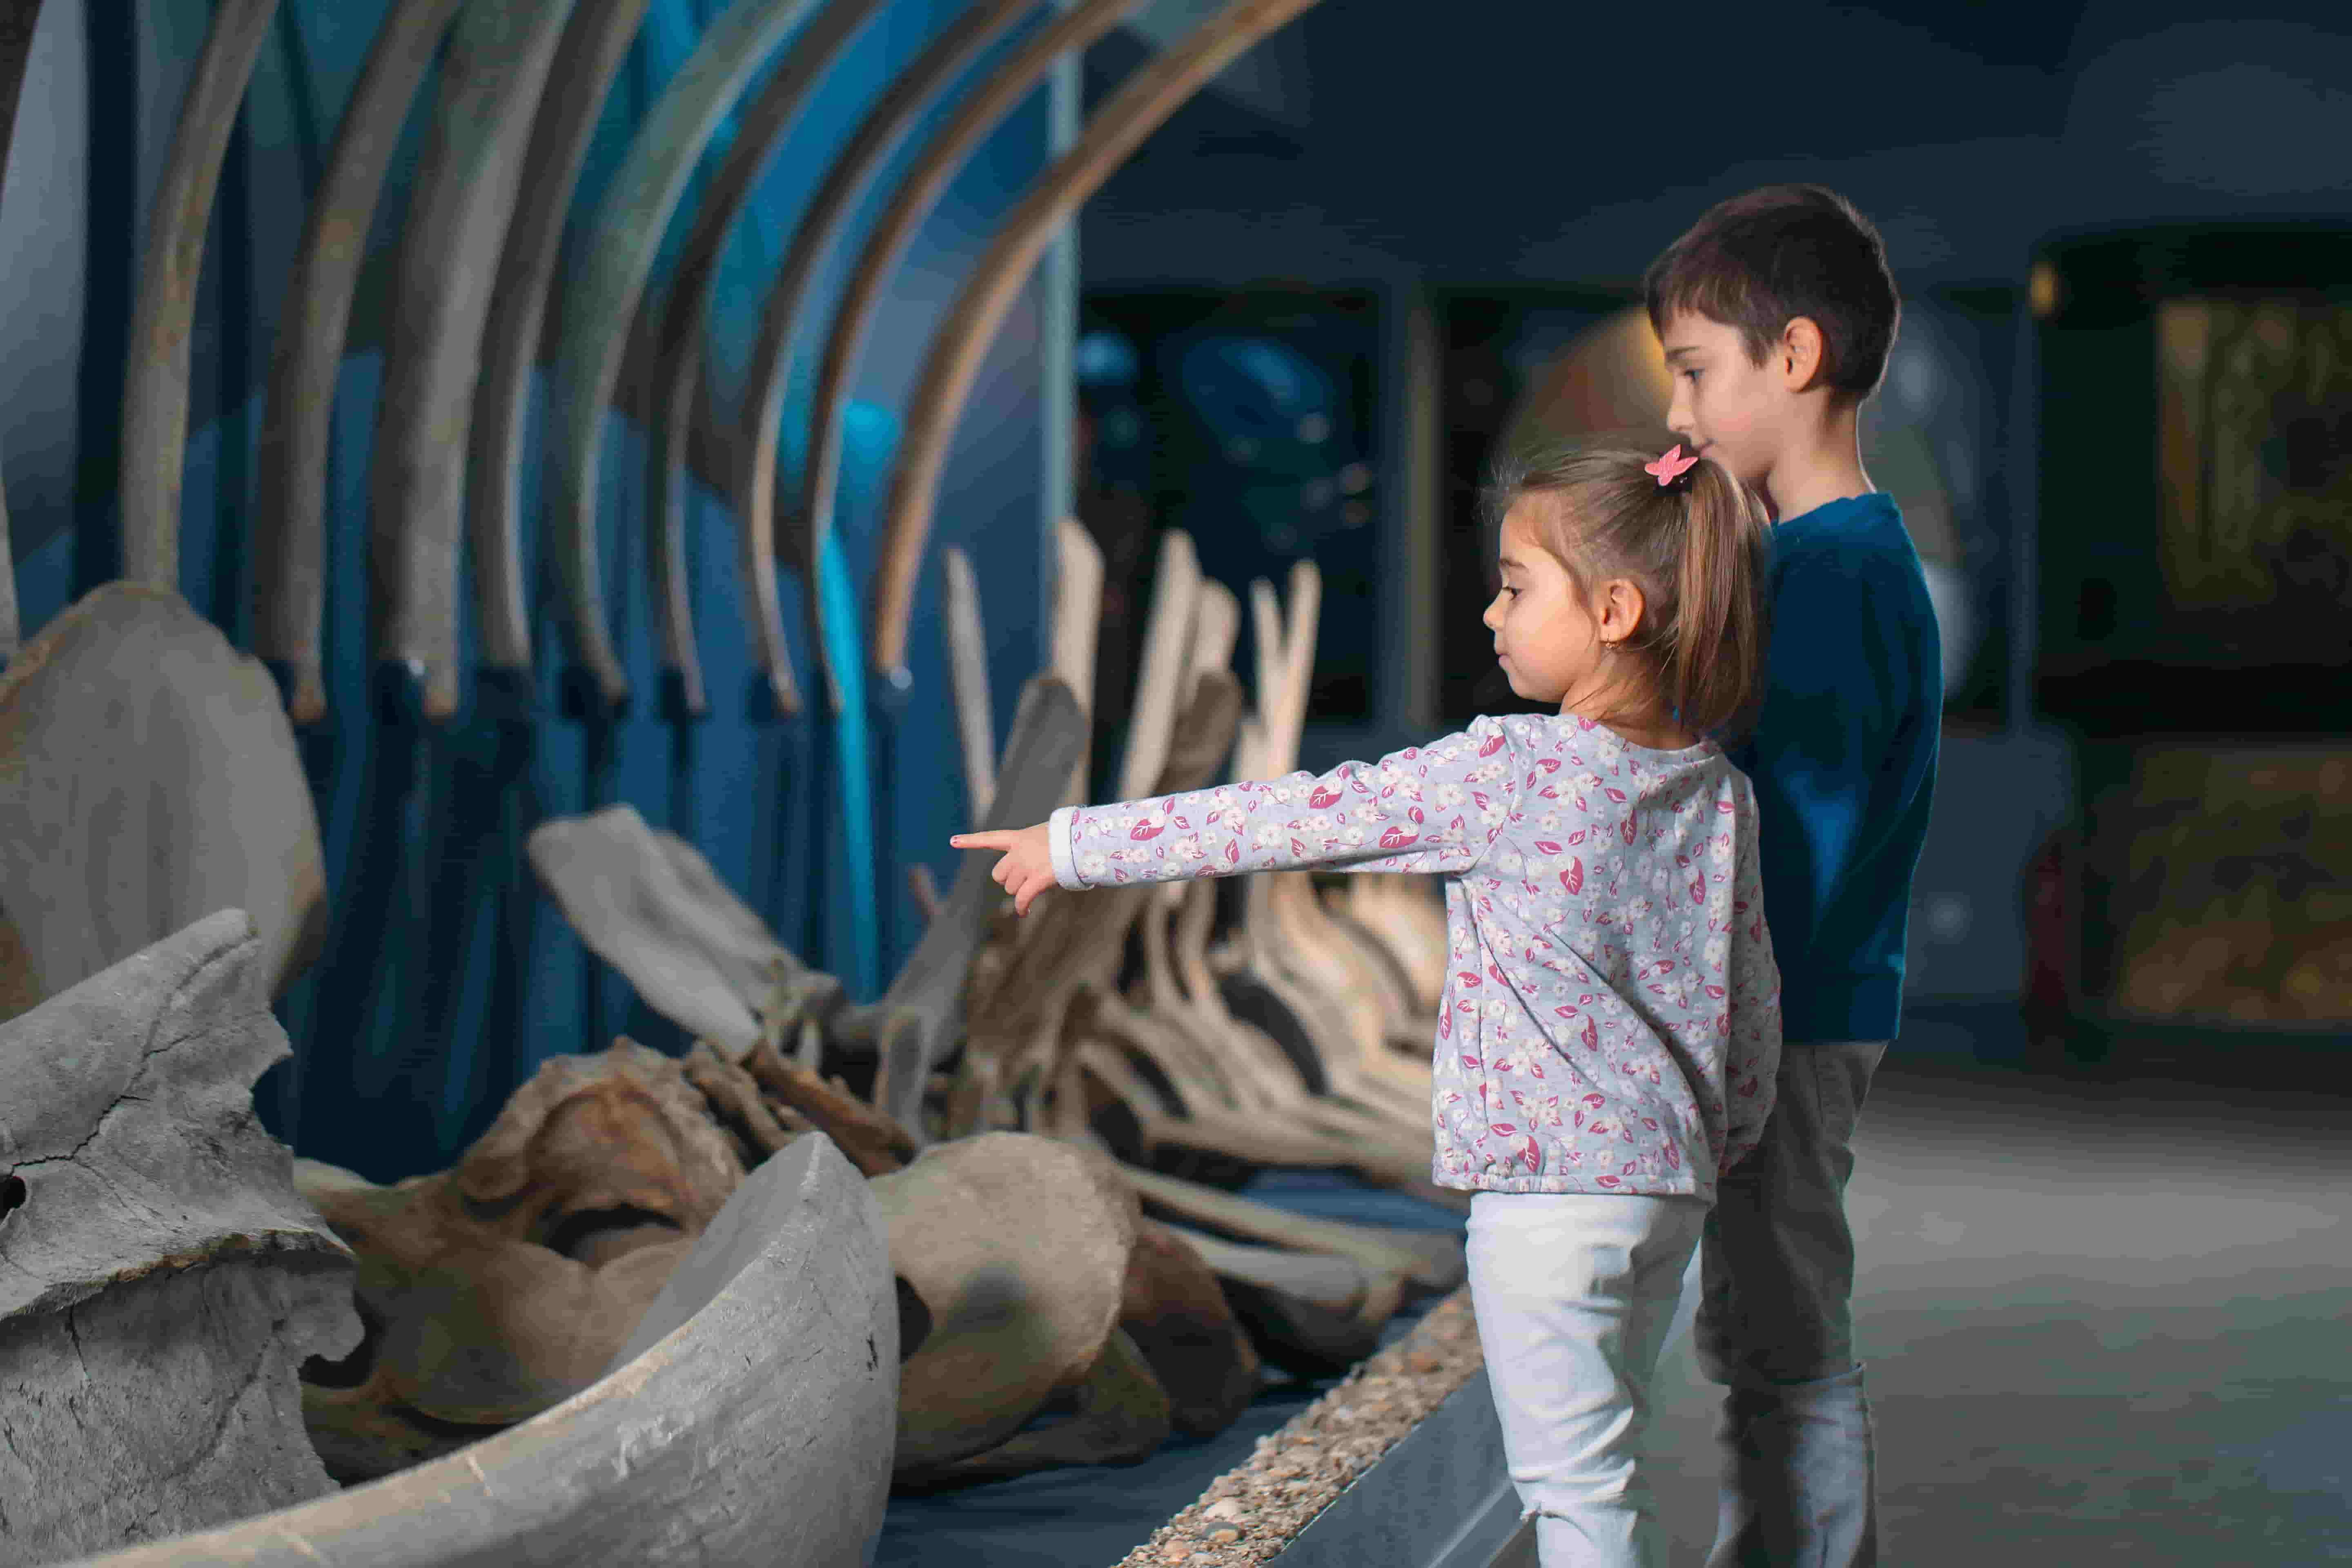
x,y
1759,261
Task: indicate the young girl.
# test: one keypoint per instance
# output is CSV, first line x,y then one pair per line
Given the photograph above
x,y
1607,1041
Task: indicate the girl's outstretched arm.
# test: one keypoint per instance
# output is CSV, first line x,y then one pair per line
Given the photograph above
x,y
1433,808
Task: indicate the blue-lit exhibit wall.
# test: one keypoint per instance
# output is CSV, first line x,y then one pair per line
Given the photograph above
x,y
448,976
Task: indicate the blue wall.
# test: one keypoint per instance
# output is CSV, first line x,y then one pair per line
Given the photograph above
x,y
448,977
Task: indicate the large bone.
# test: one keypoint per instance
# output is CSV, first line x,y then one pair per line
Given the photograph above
x,y
164,1280
498,1288
155,391
148,778
685,316
952,364
975,117
289,538
670,931
1019,1246
594,46
780,1374
492,75
616,257
1120,1414
18,19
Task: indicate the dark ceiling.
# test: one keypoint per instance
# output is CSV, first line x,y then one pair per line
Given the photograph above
x,y
1430,134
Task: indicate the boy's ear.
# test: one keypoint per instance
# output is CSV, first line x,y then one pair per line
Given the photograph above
x,y
1800,353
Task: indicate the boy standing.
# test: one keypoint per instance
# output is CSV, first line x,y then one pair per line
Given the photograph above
x,y
1777,311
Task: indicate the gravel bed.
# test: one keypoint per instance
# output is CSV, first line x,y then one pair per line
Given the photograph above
x,y
1250,1513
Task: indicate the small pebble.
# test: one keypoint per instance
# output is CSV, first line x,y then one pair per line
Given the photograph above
x,y
1224,1508
1225,1534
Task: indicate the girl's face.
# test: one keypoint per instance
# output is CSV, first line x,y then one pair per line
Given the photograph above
x,y
1550,642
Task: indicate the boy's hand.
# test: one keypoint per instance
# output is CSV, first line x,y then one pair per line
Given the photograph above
x,y
1027,869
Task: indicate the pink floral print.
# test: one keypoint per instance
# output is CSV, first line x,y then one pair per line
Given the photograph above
x,y
1611,1023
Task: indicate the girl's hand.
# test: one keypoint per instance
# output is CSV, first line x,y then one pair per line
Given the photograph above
x,y
1027,869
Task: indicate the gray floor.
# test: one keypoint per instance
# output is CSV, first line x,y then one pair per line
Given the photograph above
x,y
2106,1314
2105,1318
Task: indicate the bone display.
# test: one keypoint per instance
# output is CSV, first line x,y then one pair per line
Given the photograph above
x,y
152,780
498,1288
751,1426
164,1278
706,1308
1055,1041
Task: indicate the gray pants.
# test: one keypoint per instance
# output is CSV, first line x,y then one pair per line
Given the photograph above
x,y
1775,1325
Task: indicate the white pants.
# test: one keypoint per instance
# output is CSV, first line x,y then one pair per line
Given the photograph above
x,y
1575,1293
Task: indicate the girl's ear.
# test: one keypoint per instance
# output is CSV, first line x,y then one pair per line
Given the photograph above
x,y
1621,609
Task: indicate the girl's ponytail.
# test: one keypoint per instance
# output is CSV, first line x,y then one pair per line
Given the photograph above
x,y
1715,666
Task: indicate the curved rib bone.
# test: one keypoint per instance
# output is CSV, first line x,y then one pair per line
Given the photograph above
x,y
289,573
493,73
155,391
594,46
617,257
861,297
1143,102
684,315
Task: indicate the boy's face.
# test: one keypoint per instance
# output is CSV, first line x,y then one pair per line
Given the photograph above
x,y
1725,404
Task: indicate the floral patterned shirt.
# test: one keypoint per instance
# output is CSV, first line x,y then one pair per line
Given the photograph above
x,y
1611,1021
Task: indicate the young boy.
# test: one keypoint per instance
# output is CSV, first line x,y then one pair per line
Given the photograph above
x,y
1776,311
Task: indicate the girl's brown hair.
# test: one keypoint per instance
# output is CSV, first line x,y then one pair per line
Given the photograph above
x,y
1696,548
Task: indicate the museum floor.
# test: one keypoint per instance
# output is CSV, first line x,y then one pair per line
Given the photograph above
x,y
2104,1315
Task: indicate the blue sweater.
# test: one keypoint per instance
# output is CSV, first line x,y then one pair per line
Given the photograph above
x,y
1844,758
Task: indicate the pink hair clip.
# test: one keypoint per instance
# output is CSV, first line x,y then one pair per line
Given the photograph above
x,y
1671,466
